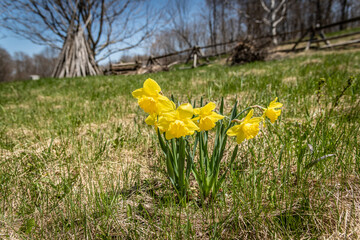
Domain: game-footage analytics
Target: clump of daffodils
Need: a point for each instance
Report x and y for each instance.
(174, 122)
(176, 125)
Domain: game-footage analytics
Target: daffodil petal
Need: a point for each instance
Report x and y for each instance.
(195, 119)
(240, 138)
(208, 108)
(255, 120)
(233, 131)
(151, 120)
(138, 93)
(169, 116)
(165, 105)
(191, 126)
(275, 105)
(163, 123)
(249, 115)
(151, 87)
(215, 116)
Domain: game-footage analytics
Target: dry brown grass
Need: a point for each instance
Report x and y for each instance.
(290, 81)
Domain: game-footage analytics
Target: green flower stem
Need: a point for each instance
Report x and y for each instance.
(175, 157)
(207, 170)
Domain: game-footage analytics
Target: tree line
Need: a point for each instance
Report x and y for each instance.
(221, 21)
(20, 66)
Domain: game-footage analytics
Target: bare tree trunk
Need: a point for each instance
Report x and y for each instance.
(328, 12)
(76, 58)
(274, 20)
(343, 13)
(223, 28)
(318, 14)
(214, 20)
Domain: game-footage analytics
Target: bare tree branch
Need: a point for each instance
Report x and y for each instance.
(264, 6)
(112, 23)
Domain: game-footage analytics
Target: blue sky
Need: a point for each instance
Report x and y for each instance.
(13, 43)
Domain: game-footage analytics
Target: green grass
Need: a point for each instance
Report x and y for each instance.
(345, 31)
(77, 160)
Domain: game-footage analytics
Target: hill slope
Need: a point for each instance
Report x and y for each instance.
(78, 161)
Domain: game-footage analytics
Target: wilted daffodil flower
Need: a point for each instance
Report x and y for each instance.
(272, 111)
(207, 117)
(247, 129)
(178, 123)
(150, 99)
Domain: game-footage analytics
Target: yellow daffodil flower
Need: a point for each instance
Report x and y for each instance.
(272, 111)
(207, 117)
(150, 99)
(178, 123)
(247, 129)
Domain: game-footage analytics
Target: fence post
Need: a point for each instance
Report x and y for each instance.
(322, 35)
(152, 61)
(312, 36)
(195, 59)
(189, 57)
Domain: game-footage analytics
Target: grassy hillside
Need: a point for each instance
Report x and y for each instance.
(77, 160)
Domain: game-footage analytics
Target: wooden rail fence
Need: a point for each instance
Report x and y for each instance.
(312, 35)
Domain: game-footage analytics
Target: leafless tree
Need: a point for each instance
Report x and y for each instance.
(344, 6)
(275, 14)
(178, 14)
(108, 26)
(165, 42)
(23, 66)
(44, 62)
(184, 28)
(6, 66)
(184, 24)
(222, 21)
(249, 14)
(213, 19)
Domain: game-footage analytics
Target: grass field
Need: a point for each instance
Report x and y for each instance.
(78, 162)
